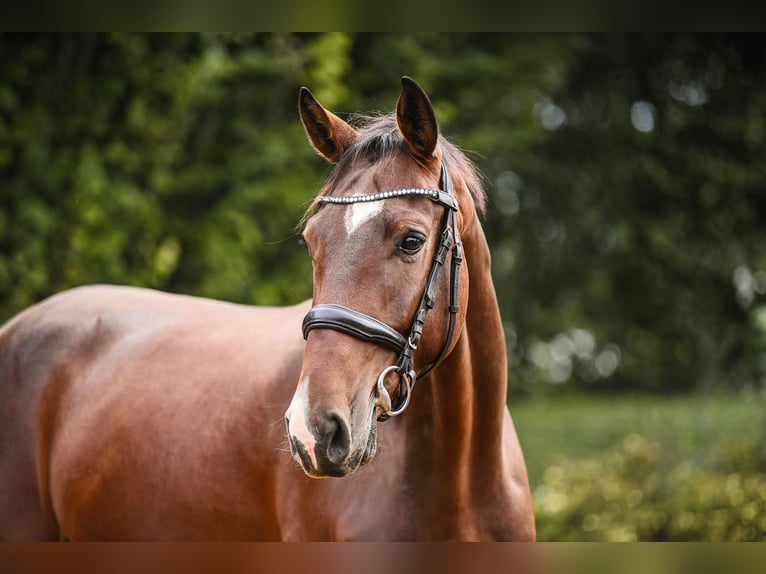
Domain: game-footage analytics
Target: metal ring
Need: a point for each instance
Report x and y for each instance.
(384, 398)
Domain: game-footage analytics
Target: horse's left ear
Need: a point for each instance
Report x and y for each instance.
(416, 119)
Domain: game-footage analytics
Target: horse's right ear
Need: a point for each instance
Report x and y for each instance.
(329, 134)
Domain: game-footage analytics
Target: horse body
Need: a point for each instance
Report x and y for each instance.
(133, 414)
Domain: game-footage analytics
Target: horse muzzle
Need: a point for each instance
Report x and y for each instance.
(329, 449)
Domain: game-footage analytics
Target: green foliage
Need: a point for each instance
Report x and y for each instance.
(626, 495)
(635, 236)
(171, 161)
(646, 469)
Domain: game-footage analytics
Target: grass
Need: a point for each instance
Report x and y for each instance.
(687, 428)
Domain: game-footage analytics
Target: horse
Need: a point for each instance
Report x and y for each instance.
(133, 414)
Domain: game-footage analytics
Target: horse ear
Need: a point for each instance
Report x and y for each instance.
(416, 119)
(329, 134)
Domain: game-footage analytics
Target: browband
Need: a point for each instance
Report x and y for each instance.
(436, 195)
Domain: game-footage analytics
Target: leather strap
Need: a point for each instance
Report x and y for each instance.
(354, 323)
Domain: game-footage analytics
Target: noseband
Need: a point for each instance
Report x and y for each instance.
(366, 328)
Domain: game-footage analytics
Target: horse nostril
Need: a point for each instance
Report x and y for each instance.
(338, 438)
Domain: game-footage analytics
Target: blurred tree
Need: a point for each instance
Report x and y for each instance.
(640, 216)
(626, 178)
(173, 161)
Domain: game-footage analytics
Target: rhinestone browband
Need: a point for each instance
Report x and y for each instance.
(432, 193)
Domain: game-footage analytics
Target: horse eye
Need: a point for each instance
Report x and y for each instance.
(412, 243)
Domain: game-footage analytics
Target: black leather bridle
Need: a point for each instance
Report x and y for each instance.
(366, 328)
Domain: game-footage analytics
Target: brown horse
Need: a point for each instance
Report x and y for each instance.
(132, 414)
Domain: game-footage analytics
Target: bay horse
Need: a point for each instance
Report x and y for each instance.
(132, 414)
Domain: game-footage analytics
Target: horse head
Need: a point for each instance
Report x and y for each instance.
(384, 239)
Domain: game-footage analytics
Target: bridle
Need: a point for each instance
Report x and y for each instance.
(366, 328)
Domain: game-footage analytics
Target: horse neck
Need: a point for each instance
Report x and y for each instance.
(466, 398)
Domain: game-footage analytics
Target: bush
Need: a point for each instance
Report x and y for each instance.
(631, 493)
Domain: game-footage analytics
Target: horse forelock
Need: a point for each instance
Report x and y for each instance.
(378, 138)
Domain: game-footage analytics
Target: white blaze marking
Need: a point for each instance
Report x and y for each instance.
(296, 413)
(358, 213)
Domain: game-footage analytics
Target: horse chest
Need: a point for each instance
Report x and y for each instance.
(380, 505)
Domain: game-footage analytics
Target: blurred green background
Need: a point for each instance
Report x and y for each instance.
(626, 177)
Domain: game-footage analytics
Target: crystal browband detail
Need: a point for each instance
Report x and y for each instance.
(432, 193)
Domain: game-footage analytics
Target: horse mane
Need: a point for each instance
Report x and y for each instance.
(378, 137)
